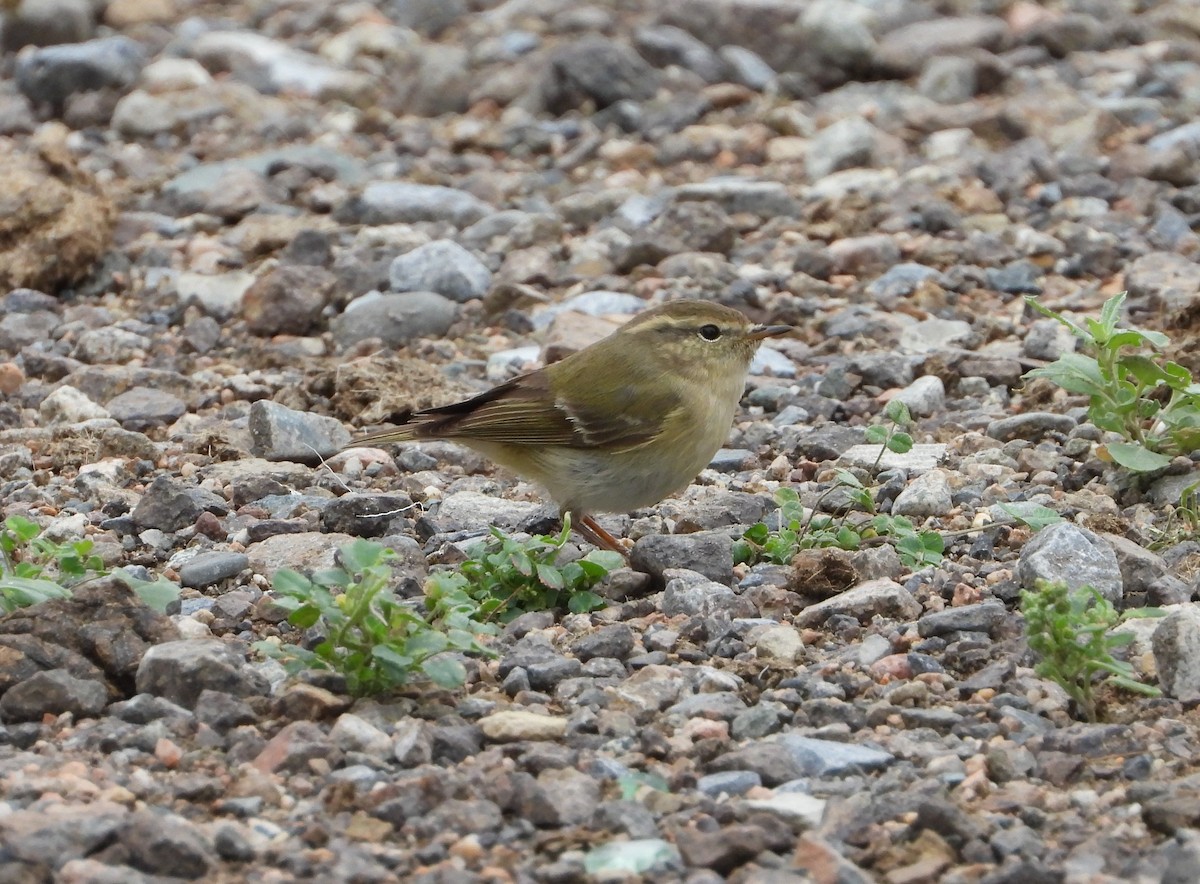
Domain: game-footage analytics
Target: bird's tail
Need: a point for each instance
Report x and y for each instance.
(405, 433)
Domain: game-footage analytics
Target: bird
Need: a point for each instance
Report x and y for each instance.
(616, 426)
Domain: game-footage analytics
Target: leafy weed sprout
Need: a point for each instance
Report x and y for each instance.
(1069, 630)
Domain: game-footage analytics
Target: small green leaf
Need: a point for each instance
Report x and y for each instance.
(900, 443)
(584, 601)
(1035, 516)
(445, 671)
(897, 412)
(550, 577)
(1136, 457)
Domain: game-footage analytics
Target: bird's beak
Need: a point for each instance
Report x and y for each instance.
(767, 331)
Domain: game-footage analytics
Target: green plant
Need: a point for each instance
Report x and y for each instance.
(1182, 522)
(1069, 631)
(799, 530)
(1152, 404)
(374, 639)
(507, 576)
(34, 569)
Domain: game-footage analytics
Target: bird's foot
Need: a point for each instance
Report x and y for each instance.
(597, 536)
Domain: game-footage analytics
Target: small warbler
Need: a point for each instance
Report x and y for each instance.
(618, 425)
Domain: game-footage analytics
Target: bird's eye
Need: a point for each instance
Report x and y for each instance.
(710, 332)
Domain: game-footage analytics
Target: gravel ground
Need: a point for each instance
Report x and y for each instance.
(234, 233)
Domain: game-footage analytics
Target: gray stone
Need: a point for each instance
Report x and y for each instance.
(875, 598)
(281, 433)
(53, 74)
(904, 279)
(571, 796)
(53, 692)
(162, 843)
(364, 515)
(394, 319)
(924, 397)
(1073, 555)
(985, 617)
(21, 328)
(273, 66)
(47, 23)
(288, 300)
(441, 266)
(732, 782)
(474, 511)
(949, 79)
(219, 295)
(1032, 425)
(1016, 278)
(747, 67)
(395, 202)
(166, 505)
(140, 408)
(1048, 339)
(350, 733)
(927, 495)
(773, 762)
(690, 593)
(1176, 644)
(933, 335)
(1162, 281)
(212, 567)
(67, 405)
(763, 198)
(708, 553)
(615, 640)
(846, 143)
(826, 758)
(181, 670)
(905, 50)
(598, 70)
(665, 45)
(1141, 568)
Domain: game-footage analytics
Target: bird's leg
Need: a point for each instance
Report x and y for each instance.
(597, 536)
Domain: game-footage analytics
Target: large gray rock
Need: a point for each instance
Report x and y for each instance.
(1067, 553)
(52, 75)
(1176, 644)
(441, 266)
(281, 433)
(394, 319)
(396, 202)
(181, 670)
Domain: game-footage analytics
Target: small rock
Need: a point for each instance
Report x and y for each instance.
(350, 733)
(1176, 644)
(927, 495)
(394, 202)
(166, 505)
(924, 397)
(513, 725)
(884, 598)
(394, 319)
(66, 405)
(140, 408)
(826, 758)
(181, 670)
(1032, 425)
(53, 692)
(209, 568)
(441, 266)
(985, 617)
(710, 554)
(53, 74)
(1073, 555)
(288, 300)
(281, 433)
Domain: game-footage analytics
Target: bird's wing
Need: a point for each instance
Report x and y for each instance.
(526, 411)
